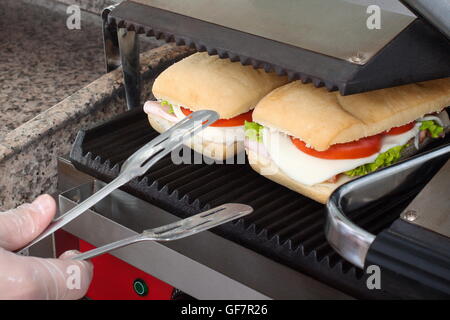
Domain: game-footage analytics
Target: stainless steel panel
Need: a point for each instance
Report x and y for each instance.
(43, 249)
(205, 266)
(69, 177)
(337, 28)
(431, 208)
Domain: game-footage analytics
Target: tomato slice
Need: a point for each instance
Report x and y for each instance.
(233, 122)
(399, 130)
(361, 148)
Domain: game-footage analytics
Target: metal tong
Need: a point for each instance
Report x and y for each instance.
(177, 230)
(138, 164)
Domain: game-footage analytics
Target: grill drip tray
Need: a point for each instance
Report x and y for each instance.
(285, 226)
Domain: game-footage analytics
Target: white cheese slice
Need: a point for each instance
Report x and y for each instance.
(226, 135)
(310, 170)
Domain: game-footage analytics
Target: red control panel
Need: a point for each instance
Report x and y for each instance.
(115, 279)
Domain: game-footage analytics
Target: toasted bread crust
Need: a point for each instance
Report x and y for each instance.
(321, 118)
(201, 82)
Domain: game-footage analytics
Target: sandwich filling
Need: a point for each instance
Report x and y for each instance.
(309, 167)
(226, 131)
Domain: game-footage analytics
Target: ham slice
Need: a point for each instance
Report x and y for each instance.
(154, 107)
(256, 147)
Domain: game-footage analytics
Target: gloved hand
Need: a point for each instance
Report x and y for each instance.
(24, 277)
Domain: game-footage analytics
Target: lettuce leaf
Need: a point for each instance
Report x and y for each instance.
(384, 159)
(434, 128)
(253, 131)
(393, 155)
(166, 103)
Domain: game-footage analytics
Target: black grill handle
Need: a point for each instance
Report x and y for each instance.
(436, 13)
(414, 262)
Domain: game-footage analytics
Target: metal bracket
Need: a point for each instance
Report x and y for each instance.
(129, 54)
(121, 47)
(431, 208)
(110, 41)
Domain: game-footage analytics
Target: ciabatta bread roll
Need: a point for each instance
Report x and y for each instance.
(201, 82)
(314, 140)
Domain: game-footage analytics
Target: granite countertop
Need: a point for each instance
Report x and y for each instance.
(29, 153)
(41, 61)
(53, 84)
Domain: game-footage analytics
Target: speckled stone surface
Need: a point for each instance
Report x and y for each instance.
(28, 154)
(41, 61)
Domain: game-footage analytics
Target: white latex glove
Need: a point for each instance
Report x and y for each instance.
(24, 277)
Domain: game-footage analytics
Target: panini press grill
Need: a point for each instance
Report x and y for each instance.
(396, 219)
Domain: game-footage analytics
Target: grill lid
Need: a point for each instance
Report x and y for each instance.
(301, 22)
(389, 62)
